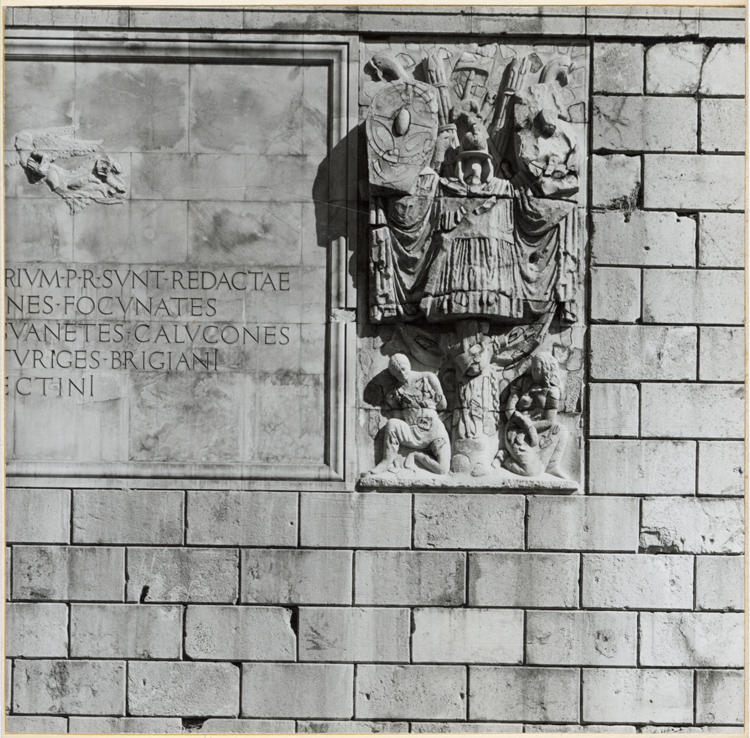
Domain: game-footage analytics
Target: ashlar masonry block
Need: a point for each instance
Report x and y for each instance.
(350, 726)
(321, 691)
(615, 294)
(723, 71)
(721, 241)
(417, 692)
(720, 582)
(719, 697)
(618, 67)
(524, 693)
(723, 125)
(637, 581)
(37, 515)
(691, 639)
(35, 629)
(721, 468)
(722, 354)
(613, 409)
(455, 635)
(617, 181)
(674, 68)
(94, 725)
(638, 695)
(466, 727)
(37, 724)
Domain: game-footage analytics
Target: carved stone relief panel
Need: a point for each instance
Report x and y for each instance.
(472, 362)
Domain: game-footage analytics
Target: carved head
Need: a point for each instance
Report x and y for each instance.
(109, 171)
(400, 367)
(545, 369)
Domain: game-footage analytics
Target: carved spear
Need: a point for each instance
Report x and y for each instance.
(499, 133)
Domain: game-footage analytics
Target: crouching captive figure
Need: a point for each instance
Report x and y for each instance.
(418, 426)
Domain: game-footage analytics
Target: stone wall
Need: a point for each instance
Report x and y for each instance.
(201, 609)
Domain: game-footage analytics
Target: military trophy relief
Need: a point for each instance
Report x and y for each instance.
(476, 255)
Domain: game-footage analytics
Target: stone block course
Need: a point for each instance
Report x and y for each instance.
(182, 575)
(183, 689)
(560, 638)
(721, 468)
(57, 687)
(524, 693)
(40, 724)
(128, 516)
(350, 726)
(723, 71)
(638, 695)
(417, 692)
(720, 582)
(241, 518)
(70, 573)
(674, 68)
(685, 182)
(719, 697)
(685, 525)
(615, 294)
(355, 520)
(692, 410)
(466, 727)
(723, 125)
(643, 238)
(354, 634)
(94, 725)
(453, 635)
(289, 577)
(691, 639)
(409, 578)
(237, 633)
(468, 521)
(623, 467)
(645, 124)
(721, 241)
(581, 523)
(613, 409)
(321, 691)
(35, 629)
(617, 181)
(637, 582)
(643, 352)
(692, 296)
(227, 725)
(722, 354)
(523, 580)
(618, 67)
(37, 515)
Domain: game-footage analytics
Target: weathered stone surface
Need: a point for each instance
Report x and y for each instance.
(8, 685)
(692, 296)
(232, 633)
(723, 71)
(686, 525)
(37, 515)
(450, 635)
(719, 582)
(127, 516)
(618, 67)
(684, 182)
(29, 724)
(721, 468)
(581, 638)
(225, 725)
(719, 697)
(637, 695)
(617, 181)
(690, 729)
(643, 239)
(523, 693)
(57, 687)
(523, 580)
(721, 240)
(241, 518)
(723, 125)
(674, 68)
(581, 523)
(643, 352)
(75, 17)
(93, 725)
(354, 520)
(36, 629)
(350, 726)
(297, 577)
(183, 689)
(417, 692)
(297, 690)
(642, 467)
(637, 581)
(182, 575)
(203, 19)
(71, 573)
(692, 410)
(645, 123)
(554, 728)
(615, 294)
(353, 634)
(466, 727)
(613, 410)
(468, 521)
(409, 578)
(691, 639)
(722, 354)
